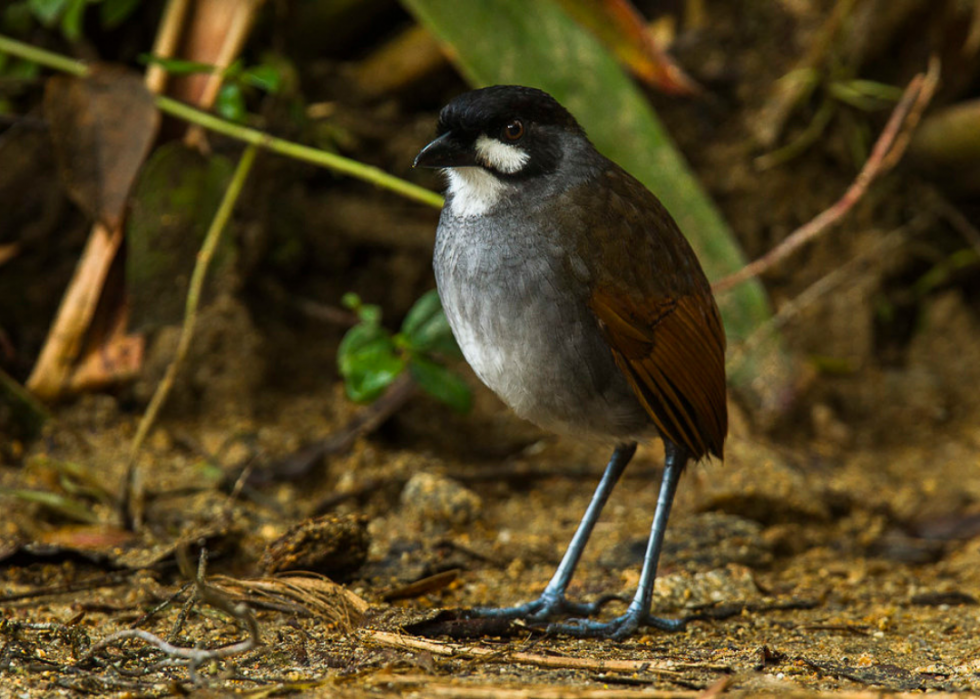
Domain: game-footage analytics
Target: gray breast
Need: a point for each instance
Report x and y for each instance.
(517, 306)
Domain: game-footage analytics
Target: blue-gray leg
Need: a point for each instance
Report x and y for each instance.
(638, 613)
(552, 603)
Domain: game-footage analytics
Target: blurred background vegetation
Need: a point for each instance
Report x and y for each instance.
(747, 124)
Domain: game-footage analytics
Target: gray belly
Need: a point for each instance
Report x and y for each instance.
(525, 329)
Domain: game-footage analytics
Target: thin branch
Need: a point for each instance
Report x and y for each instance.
(167, 38)
(839, 277)
(193, 658)
(42, 57)
(886, 152)
(204, 257)
(553, 661)
(331, 161)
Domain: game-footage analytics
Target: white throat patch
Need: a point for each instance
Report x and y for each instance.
(474, 191)
(500, 156)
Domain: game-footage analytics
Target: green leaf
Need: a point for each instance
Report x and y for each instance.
(369, 313)
(65, 506)
(264, 77)
(47, 12)
(427, 329)
(230, 104)
(367, 360)
(112, 13)
(71, 20)
(441, 383)
(360, 339)
(537, 44)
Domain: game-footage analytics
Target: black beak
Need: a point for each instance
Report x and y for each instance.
(445, 151)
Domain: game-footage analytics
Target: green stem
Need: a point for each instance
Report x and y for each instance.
(331, 161)
(43, 57)
(133, 506)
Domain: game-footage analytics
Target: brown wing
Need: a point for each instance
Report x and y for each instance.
(672, 352)
(655, 307)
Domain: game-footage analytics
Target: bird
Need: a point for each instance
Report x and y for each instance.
(575, 297)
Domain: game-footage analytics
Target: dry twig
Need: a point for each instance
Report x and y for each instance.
(887, 151)
(393, 640)
(193, 658)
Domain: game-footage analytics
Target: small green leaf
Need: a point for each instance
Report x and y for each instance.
(60, 504)
(367, 385)
(71, 20)
(441, 383)
(47, 11)
(264, 77)
(359, 339)
(367, 360)
(112, 13)
(427, 329)
(230, 104)
(423, 310)
(369, 313)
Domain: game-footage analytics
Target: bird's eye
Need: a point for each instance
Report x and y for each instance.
(514, 130)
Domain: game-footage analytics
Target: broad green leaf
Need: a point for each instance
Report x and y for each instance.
(173, 202)
(441, 383)
(421, 312)
(426, 328)
(368, 361)
(71, 21)
(537, 44)
(361, 338)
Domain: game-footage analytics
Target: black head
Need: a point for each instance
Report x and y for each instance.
(511, 131)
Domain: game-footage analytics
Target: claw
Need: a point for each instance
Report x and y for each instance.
(619, 628)
(547, 606)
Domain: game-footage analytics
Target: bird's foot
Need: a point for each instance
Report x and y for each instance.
(550, 605)
(617, 629)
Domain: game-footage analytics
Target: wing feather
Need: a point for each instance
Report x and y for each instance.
(673, 355)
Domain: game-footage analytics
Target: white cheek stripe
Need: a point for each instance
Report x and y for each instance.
(500, 156)
(474, 191)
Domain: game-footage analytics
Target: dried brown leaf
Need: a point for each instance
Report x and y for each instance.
(102, 127)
